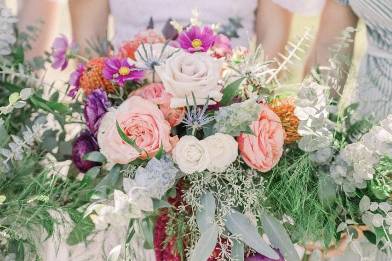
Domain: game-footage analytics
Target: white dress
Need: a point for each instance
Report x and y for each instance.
(132, 16)
(302, 7)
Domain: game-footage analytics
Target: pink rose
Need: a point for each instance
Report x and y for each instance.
(141, 121)
(156, 93)
(263, 150)
(222, 46)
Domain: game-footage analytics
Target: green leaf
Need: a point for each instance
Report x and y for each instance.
(239, 224)
(206, 244)
(279, 237)
(237, 251)
(95, 156)
(108, 183)
(158, 204)
(14, 97)
(327, 189)
(91, 175)
(148, 231)
(160, 152)
(231, 91)
(125, 138)
(49, 106)
(83, 228)
(4, 137)
(206, 214)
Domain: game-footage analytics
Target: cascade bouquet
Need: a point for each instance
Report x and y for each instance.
(198, 154)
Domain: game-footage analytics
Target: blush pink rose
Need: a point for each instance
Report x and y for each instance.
(263, 150)
(156, 93)
(141, 121)
(222, 46)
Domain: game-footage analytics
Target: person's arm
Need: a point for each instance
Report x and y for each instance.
(273, 24)
(89, 20)
(334, 20)
(41, 13)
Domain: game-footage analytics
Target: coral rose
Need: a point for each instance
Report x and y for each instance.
(141, 121)
(263, 149)
(156, 93)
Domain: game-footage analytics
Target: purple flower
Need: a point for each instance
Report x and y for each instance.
(96, 106)
(121, 71)
(259, 257)
(84, 144)
(74, 80)
(197, 39)
(60, 48)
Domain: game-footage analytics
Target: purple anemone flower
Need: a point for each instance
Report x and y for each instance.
(196, 39)
(60, 48)
(84, 144)
(121, 71)
(74, 80)
(96, 106)
(259, 257)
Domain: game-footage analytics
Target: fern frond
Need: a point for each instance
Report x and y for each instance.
(294, 49)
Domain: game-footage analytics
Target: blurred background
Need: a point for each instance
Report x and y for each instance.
(300, 23)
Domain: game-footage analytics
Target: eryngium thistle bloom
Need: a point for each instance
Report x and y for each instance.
(284, 108)
(7, 33)
(259, 257)
(237, 117)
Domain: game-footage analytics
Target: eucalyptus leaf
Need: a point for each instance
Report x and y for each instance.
(13, 98)
(108, 183)
(237, 251)
(95, 156)
(206, 214)
(239, 224)
(158, 204)
(279, 237)
(148, 232)
(26, 93)
(206, 244)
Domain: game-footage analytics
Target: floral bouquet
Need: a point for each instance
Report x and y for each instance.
(198, 154)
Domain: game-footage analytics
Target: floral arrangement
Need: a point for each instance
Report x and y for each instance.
(34, 195)
(198, 154)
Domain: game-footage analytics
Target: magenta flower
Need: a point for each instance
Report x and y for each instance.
(74, 80)
(196, 39)
(60, 49)
(121, 71)
(96, 106)
(84, 144)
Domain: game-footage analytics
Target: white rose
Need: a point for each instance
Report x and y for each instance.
(185, 74)
(223, 150)
(191, 155)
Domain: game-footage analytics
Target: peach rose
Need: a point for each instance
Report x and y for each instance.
(141, 121)
(263, 150)
(156, 93)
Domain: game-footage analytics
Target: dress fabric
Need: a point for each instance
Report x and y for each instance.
(132, 17)
(302, 7)
(374, 90)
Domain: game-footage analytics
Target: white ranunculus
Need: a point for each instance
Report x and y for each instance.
(191, 155)
(185, 74)
(223, 150)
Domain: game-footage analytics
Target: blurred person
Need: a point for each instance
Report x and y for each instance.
(269, 20)
(42, 14)
(374, 81)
